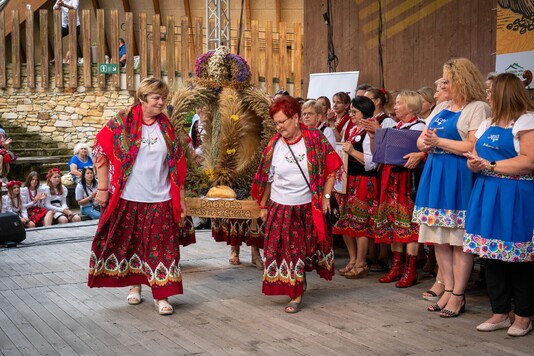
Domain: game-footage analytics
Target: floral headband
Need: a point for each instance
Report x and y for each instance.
(12, 183)
(51, 172)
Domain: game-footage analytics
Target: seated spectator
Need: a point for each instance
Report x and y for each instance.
(80, 160)
(6, 156)
(12, 203)
(86, 192)
(56, 198)
(33, 198)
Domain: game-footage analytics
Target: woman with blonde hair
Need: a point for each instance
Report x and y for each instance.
(446, 182)
(428, 102)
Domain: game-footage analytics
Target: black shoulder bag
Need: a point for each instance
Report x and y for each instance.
(331, 217)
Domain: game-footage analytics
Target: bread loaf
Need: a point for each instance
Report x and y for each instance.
(221, 191)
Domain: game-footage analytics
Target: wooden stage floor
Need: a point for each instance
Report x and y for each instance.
(46, 308)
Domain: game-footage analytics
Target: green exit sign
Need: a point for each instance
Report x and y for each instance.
(108, 68)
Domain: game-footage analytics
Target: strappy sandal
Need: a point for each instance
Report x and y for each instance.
(257, 261)
(293, 307)
(234, 256)
(446, 313)
(163, 307)
(134, 295)
(347, 268)
(358, 272)
(436, 307)
(432, 296)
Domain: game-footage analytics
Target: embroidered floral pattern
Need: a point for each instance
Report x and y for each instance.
(498, 249)
(454, 219)
(506, 176)
(300, 158)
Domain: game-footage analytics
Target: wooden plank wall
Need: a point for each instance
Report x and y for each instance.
(418, 37)
(164, 47)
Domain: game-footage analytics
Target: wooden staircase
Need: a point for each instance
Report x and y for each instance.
(10, 5)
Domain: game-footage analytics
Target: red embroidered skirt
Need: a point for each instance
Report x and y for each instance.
(139, 244)
(291, 248)
(395, 209)
(358, 207)
(36, 214)
(236, 231)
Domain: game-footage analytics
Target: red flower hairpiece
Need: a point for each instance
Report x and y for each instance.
(52, 171)
(12, 183)
(383, 90)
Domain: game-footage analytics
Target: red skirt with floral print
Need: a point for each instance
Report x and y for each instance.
(395, 208)
(36, 214)
(236, 231)
(291, 248)
(358, 207)
(139, 244)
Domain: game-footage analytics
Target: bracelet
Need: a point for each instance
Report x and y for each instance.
(102, 189)
(263, 206)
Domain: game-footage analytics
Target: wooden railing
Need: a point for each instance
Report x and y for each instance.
(270, 54)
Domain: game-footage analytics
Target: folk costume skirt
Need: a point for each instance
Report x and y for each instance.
(235, 232)
(139, 244)
(395, 209)
(36, 214)
(291, 249)
(358, 207)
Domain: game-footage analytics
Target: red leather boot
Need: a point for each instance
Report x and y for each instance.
(397, 268)
(409, 278)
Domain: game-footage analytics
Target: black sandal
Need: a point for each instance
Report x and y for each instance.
(445, 313)
(436, 307)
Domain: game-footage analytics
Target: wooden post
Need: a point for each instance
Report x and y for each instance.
(156, 46)
(2, 50)
(282, 67)
(30, 52)
(143, 70)
(171, 60)
(73, 48)
(199, 43)
(254, 55)
(184, 70)
(297, 81)
(43, 30)
(86, 47)
(101, 43)
(58, 49)
(269, 57)
(114, 26)
(15, 48)
(130, 48)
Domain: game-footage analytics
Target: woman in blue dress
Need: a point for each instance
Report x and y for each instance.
(446, 182)
(499, 221)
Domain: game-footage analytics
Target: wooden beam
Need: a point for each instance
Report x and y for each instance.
(157, 9)
(73, 49)
(143, 69)
(58, 49)
(96, 7)
(171, 60)
(3, 80)
(43, 29)
(129, 54)
(248, 16)
(133, 44)
(156, 46)
(30, 54)
(15, 48)
(114, 26)
(282, 48)
(269, 57)
(190, 22)
(100, 42)
(86, 47)
(278, 13)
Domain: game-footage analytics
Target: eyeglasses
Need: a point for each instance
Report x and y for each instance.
(281, 123)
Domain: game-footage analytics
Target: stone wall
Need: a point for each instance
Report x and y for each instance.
(65, 115)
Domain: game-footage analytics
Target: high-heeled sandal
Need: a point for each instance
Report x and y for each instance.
(347, 268)
(432, 296)
(358, 272)
(446, 313)
(436, 307)
(257, 261)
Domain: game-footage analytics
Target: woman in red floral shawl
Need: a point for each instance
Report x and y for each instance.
(293, 186)
(137, 240)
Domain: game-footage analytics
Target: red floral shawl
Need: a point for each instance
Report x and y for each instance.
(119, 141)
(322, 160)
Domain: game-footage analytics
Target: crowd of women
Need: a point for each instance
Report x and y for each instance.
(45, 204)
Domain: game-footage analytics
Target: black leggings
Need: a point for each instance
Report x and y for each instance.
(65, 31)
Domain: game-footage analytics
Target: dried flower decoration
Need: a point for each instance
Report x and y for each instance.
(234, 118)
(221, 68)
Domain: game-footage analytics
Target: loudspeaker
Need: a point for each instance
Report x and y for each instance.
(12, 231)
